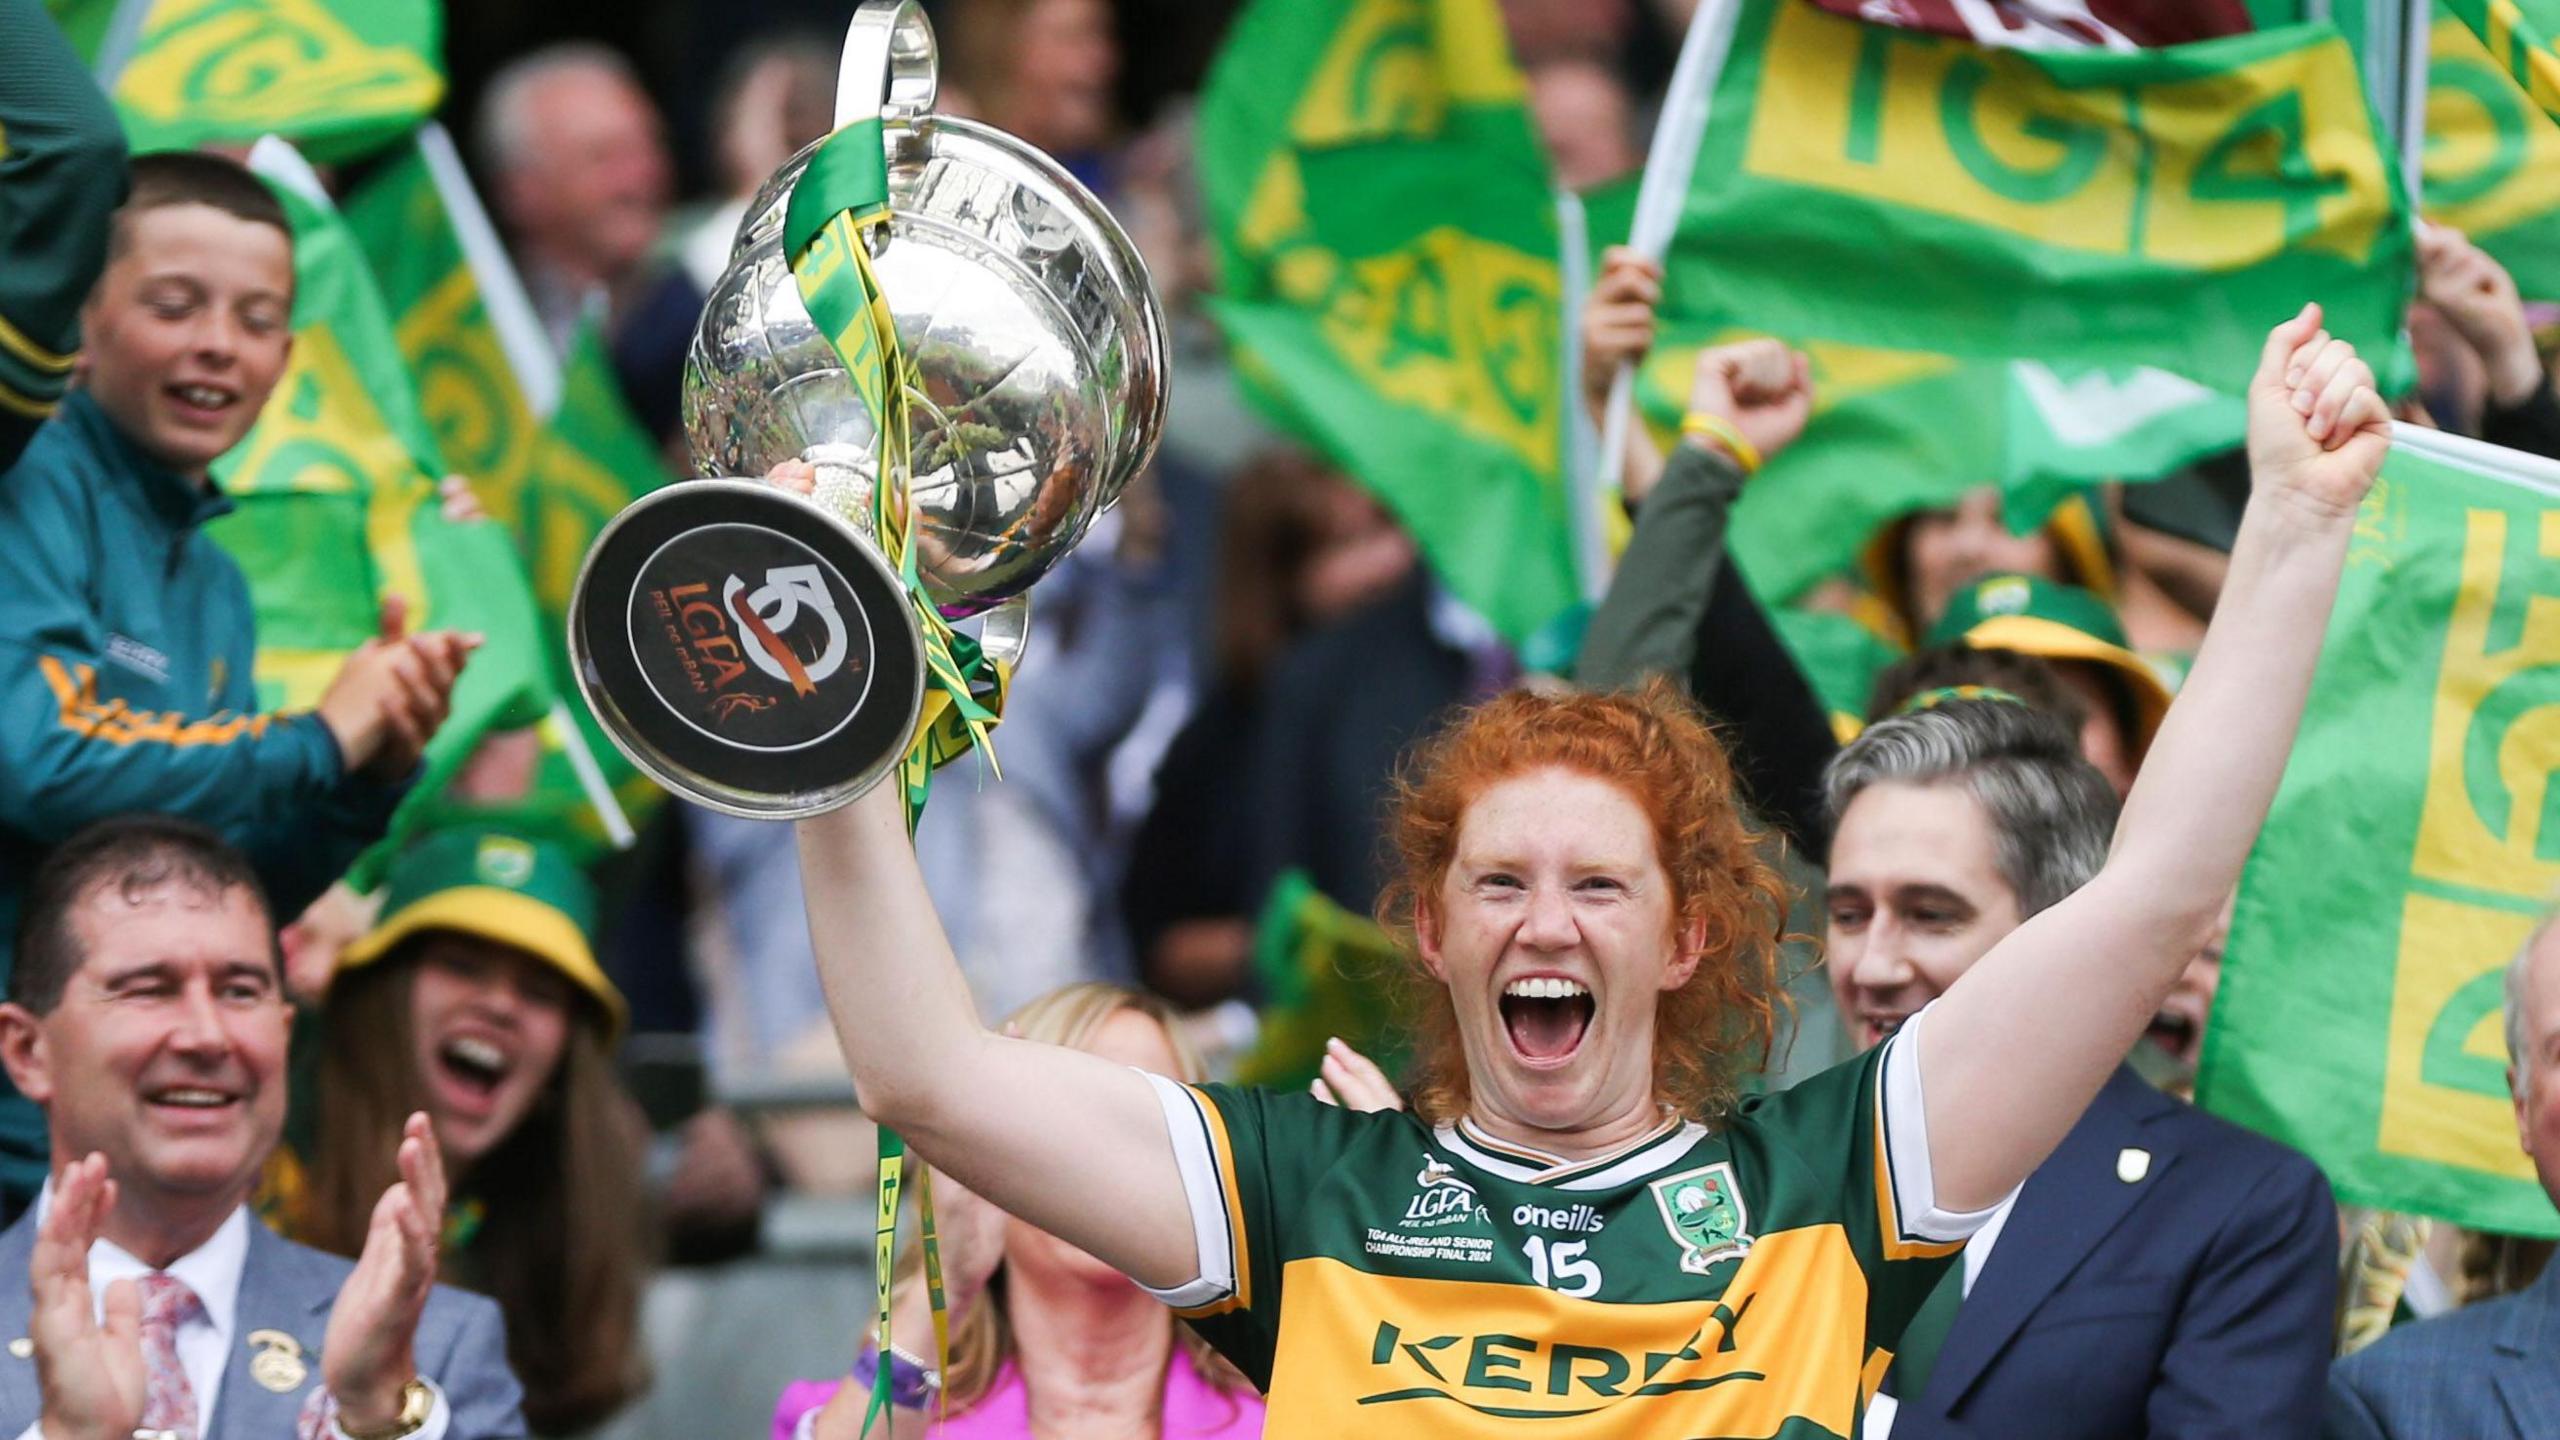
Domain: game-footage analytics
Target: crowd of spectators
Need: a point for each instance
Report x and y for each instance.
(424, 1187)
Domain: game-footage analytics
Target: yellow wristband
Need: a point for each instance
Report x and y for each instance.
(1724, 432)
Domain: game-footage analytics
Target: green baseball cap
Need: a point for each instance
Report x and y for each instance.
(2055, 622)
(524, 893)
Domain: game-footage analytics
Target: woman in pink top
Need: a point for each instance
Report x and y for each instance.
(1045, 1339)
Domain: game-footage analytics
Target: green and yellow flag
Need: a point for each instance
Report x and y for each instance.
(553, 455)
(2031, 268)
(2492, 167)
(2519, 36)
(2359, 1016)
(338, 508)
(1326, 972)
(467, 386)
(1387, 257)
(339, 78)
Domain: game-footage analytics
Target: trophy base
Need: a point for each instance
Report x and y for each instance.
(747, 650)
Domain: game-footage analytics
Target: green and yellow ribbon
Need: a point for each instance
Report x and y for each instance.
(840, 200)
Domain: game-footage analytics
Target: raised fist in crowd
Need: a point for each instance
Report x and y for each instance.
(2317, 426)
(2478, 298)
(1763, 388)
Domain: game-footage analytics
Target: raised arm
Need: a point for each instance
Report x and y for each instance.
(2014, 1051)
(1068, 1141)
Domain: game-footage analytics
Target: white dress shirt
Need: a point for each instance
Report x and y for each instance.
(205, 1338)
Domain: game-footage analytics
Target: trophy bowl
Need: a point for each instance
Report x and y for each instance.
(1035, 347)
(753, 649)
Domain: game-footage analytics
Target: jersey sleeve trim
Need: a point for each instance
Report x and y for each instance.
(1908, 1218)
(22, 403)
(1206, 1160)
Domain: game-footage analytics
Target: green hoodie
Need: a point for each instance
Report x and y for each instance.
(126, 646)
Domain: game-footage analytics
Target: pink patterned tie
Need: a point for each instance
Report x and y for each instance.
(169, 1404)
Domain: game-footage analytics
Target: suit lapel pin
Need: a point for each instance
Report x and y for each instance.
(278, 1365)
(22, 1348)
(2132, 1164)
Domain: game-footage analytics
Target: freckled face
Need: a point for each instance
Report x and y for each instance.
(1554, 935)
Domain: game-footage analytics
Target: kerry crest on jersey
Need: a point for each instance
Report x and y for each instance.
(1704, 1209)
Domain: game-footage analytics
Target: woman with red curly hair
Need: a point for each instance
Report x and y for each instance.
(1581, 1230)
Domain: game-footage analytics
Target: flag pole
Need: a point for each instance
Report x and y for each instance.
(2413, 96)
(1584, 487)
(561, 728)
(502, 293)
(122, 39)
(1668, 166)
(2479, 457)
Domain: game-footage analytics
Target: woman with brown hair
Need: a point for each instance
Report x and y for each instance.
(1041, 1331)
(478, 1000)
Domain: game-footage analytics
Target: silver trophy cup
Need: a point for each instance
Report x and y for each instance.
(751, 649)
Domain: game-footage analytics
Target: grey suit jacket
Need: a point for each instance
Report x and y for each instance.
(2485, 1372)
(461, 1344)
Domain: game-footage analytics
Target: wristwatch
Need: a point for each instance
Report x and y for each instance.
(417, 1402)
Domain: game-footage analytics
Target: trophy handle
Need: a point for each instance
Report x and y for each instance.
(1006, 631)
(890, 64)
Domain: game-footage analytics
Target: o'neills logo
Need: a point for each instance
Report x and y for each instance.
(750, 637)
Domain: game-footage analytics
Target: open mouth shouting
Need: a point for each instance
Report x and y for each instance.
(1546, 1017)
(2176, 1031)
(471, 1072)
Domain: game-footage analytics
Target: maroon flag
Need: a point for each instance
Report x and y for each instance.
(2056, 24)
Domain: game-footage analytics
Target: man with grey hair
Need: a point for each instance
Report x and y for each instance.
(576, 159)
(2483, 1372)
(2164, 1272)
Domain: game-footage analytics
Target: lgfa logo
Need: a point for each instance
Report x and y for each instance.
(768, 615)
(1440, 1197)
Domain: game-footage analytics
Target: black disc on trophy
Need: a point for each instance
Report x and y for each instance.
(746, 648)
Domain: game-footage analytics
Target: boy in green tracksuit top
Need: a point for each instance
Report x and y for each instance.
(126, 637)
(61, 172)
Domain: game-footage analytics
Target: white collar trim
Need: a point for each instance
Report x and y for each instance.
(1652, 1151)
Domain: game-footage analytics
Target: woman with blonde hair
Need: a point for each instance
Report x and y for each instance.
(1045, 1339)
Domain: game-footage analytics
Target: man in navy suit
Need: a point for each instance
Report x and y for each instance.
(147, 1017)
(2164, 1272)
(2484, 1372)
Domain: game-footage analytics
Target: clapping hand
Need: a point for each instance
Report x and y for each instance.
(368, 1356)
(1353, 1081)
(393, 694)
(89, 1370)
(2317, 426)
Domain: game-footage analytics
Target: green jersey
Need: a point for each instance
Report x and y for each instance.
(1379, 1277)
